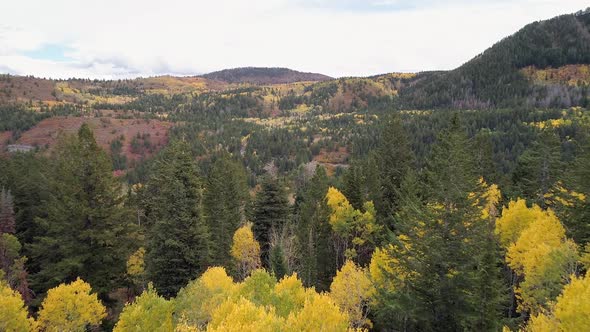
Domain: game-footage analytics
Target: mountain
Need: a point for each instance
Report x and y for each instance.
(507, 74)
(263, 76)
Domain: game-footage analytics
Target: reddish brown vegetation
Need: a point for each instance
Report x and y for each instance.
(106, 130)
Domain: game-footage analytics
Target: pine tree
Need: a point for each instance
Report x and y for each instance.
(224, 200)
(270, 214)
(87, 232)
(178, 239)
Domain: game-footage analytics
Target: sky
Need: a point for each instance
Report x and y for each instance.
(111, 39)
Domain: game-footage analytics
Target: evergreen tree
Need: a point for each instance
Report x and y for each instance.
(87, 230)
(7, 218)
(29, 193)
(539, 168)
(484, 154)
(353, 185)
(278, 265)
(444, 248)
(270, 214)
(178, 239)
(224, 200)
(314, 235)
(394, 158)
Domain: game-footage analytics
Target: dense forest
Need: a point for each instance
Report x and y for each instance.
(442, 201)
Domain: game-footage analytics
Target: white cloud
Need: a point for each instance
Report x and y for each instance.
(115, 38)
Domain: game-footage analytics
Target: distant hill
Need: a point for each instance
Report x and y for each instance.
(261, 75)
(506, 74)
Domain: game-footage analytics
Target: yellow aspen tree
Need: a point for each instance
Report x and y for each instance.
(290, 295)
(243, 315)
(545, 258)
(356, 230)
(515, 218)
(71, 307)
(136, 265)
(196, 302)
(570, 312)
(319, 313)
(149, 312)
(13, 313)
(245, 250)
(351, 290)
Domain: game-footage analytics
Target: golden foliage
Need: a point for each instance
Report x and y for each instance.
(570, 312)
(149, 312)
(245, 250)
(516, 218)
(351, 290)
(538, 250)
(197, 301)
(243, 315)
(356, 227)
(135, 266)
(70, 307)
(13, 313)
(319, 313)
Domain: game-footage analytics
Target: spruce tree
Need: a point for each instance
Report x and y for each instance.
(87, 231)
(394, 159)
(539, 168)
(270, 214)
(224, 200)
(353, 185)
(449, 258)
(178, 239)
(7, 218)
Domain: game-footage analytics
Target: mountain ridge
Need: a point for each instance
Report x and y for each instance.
(264, 75)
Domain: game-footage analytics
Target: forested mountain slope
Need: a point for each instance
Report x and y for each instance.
(257, 75)
(497, 77)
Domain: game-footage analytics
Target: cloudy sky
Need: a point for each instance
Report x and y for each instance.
(130, 38)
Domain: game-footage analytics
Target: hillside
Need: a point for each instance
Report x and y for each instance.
(497, 77)
(264, 76)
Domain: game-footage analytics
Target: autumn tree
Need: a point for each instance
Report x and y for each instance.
(351, 290)
(319, 313)
(71, 307)
(136, 269)
(149, 312)
(569, 313)
(195, 303)
(355, 230)
(87, 231)
(12, 264)
(537, 250)
(245, 251)
(178, 238)
(243, 315)
(13, 313)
